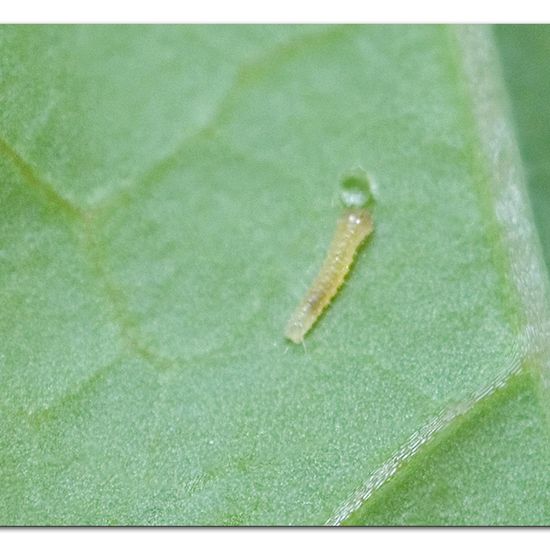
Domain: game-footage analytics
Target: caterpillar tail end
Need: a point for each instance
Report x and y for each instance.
(295, 332)
(294, 337)
(299, 324)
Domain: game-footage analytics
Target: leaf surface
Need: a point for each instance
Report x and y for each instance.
(168, 194)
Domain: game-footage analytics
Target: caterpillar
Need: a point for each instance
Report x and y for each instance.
(353, 226)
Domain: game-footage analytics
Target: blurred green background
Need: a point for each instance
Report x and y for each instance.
(525, 51)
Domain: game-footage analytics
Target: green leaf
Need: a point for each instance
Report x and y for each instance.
(489, 468)
(493, 469)
(167, 196)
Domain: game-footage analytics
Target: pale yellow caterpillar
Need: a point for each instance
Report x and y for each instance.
(352, 228)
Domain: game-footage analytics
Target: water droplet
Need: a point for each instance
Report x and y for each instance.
(356, 189)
